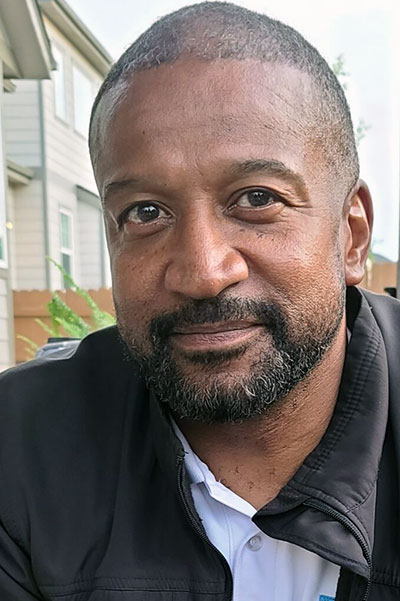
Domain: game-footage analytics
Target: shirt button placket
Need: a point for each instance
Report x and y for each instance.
(255, 543)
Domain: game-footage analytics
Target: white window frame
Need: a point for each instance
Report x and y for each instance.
(63, 249)
(64, 117)
(85, 73)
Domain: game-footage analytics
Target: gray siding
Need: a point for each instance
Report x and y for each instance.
(67, 165)
(21, 124)
(67, 152)
(90, 245)
(25, 203)
(6, 315)
(61, 195)
(29, 252)
(60, 157)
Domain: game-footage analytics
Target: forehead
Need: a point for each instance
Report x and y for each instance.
(191, 111)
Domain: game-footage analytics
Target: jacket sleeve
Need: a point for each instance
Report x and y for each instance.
(16, 579)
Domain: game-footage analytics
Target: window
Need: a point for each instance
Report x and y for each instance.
(66, 243)
(83, 100)
(59, 84)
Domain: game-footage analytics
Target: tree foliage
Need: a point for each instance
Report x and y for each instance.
(338, 67)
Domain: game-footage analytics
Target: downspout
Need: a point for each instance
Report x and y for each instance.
(45, 197)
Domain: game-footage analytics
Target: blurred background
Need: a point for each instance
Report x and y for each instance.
(54, 55)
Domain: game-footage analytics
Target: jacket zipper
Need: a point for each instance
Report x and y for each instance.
(199, 530)
(342, 519)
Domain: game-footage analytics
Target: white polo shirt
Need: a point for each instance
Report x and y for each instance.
(263, 568)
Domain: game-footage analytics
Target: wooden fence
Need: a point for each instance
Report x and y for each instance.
(380, 276)
(32, 304)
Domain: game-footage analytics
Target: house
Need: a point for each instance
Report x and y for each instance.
(53, 207)
(48, 204)
(24, 54)
(50, 207)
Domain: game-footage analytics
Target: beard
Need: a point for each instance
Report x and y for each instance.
(211, 389)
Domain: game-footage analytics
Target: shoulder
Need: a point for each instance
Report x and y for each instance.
(386, 311)
(94, 359)
(380, 300)
(46, 397)
(62, 424)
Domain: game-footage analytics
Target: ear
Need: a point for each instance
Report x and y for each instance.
(358, 216)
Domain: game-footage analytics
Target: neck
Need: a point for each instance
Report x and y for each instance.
(255, 459)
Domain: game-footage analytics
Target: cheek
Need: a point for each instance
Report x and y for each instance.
(297, 263)
(136, 279)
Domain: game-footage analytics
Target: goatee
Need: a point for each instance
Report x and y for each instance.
(288, 356)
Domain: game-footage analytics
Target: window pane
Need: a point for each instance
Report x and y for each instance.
(65, 231)
(83, 100)
(66, 263)
(59, 84)
(2, 257)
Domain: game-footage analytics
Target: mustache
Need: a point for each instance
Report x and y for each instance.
(217, 310)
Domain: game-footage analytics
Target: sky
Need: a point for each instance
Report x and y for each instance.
(365, 32)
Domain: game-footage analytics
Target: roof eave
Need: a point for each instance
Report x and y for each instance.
(64, 18)
(28, 43)
(18, 174)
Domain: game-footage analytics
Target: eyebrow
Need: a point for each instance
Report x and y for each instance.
(272, 168)
(113, 187)
(269, 167)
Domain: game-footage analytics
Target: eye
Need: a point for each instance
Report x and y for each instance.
(256, 198)
(142, 213)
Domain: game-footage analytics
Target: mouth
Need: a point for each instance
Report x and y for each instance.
(215, 336)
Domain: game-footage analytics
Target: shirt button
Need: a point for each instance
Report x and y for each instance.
(255, 543)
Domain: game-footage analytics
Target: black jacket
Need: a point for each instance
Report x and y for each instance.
(95, 504)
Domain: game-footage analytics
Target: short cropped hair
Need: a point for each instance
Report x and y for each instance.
(212, 31)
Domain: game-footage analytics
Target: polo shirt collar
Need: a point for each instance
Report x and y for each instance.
(195, 473)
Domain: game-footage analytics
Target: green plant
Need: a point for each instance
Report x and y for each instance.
(31, 347)
(64, 317)
(361, 130)
(342, 75)
(64, 320)
(338, 69)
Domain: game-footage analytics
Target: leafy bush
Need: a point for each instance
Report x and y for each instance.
(64, 320)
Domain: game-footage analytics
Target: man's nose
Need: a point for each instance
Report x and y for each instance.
(204, 263)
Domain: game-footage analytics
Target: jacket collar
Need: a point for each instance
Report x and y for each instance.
(342, 470)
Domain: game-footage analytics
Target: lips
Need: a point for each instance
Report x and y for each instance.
(211, 328)
(214, 336)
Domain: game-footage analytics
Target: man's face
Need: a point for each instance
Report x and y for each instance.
(225, 249)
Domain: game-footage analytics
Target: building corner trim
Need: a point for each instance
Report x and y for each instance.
(45, 198)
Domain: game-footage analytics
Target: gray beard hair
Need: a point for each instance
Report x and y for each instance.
(270, 379)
